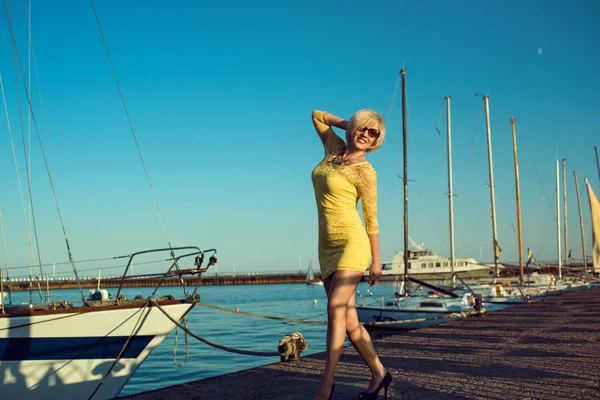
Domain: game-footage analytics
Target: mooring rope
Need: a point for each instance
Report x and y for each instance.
(463, 314)
(215, 345)
(269, 354)
(187, 346)
(248, 314)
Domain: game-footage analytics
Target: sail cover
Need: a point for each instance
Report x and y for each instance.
(595, 214)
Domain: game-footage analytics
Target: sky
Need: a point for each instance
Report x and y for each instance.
(220, 96)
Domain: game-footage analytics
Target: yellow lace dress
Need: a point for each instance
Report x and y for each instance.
(343, 240)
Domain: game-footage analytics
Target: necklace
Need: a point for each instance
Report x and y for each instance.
(345, 160)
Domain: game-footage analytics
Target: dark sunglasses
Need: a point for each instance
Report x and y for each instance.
(372, 132)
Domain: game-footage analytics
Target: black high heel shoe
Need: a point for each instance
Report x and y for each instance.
(385, 383)
(331, 393)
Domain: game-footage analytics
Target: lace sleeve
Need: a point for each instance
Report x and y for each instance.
(367, 191)
(331, 141)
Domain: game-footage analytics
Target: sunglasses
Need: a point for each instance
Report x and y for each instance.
(372, 132)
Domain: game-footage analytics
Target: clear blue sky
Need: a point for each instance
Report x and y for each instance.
(220, 97)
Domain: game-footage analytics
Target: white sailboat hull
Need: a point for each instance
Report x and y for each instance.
(415, 312)
(66, 355)
(388, 315)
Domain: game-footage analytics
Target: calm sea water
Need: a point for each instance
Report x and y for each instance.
(282, 300)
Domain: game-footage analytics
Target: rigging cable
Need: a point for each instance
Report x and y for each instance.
(18, 60)
(27, 220)
(5, 260)
(114, 73)
(12, 144)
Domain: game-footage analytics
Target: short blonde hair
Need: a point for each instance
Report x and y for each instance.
(362, 119)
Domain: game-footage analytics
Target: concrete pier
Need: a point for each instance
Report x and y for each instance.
(547, 349)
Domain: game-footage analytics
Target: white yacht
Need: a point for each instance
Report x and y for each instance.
(425, 263)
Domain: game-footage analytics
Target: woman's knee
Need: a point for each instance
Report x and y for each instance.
(336, 308)
(352, 323)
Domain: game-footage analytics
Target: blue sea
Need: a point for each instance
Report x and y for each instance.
(257, 334)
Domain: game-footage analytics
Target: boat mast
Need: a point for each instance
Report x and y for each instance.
(486, 100)
(450, 200)
(581, 223)
(405, 181)
(558, 218)
(5, 262)
(518, 191)
(565, 215)
(597, 163)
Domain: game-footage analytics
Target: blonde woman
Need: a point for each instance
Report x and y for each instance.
(346, 247)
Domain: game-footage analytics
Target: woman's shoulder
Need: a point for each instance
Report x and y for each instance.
(365, 167)
(364, 171)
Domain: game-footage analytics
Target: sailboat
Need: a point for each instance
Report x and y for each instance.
(595, 214)
(90, 347)
(406, 311)
(310, 276)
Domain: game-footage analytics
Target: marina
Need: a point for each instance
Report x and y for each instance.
(137, 134)
(547, 349)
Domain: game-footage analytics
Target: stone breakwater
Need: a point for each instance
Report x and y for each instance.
(238, 279)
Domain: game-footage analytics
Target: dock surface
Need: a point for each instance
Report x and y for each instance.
(547, 349)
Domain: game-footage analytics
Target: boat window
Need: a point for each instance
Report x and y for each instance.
(423, 265)
(445, 264)
(430, 265)
(387, 267)
(460, 263)
(430, 304)
(437, 265)
(409, 265)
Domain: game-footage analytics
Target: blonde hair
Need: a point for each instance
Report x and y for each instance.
(365, 119)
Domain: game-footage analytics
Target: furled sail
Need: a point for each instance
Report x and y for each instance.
(595, 213)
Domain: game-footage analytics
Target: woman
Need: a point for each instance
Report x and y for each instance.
(345, 247)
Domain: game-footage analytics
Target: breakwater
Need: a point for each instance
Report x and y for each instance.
(141, 281)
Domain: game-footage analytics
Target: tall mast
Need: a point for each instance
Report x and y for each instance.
(5, 261)
(597, 163)
(486, 100)
(405, 181)
(558, 243)
(581, 223)
(450, 200)
(565, 215)
(518, 191)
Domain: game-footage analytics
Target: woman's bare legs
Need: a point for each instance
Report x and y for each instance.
(341, 319)
(361, 340)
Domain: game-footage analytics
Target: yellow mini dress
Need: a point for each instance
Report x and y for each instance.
(343, 240)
